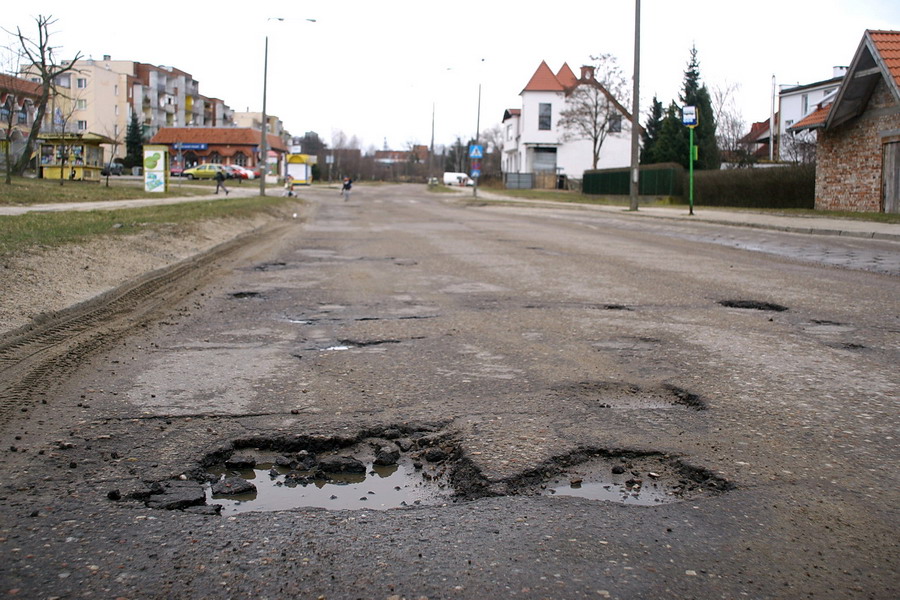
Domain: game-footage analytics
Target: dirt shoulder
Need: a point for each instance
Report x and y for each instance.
(45, 280)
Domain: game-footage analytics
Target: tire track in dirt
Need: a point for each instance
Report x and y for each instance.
(35, 357)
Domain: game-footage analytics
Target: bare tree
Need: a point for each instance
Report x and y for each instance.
(117, 137)
(493, 145)
(730, 126)
(799, 147)
(594, 106)
(39, 56)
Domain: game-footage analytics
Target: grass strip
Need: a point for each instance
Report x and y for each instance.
(47, 229)
(27, 191)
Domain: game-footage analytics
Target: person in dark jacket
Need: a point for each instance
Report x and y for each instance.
(220, 181)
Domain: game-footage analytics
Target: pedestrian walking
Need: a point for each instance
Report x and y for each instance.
(220, 181)
(345, 189)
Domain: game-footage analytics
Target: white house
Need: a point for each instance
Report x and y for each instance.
(536, 143)
(796, 102)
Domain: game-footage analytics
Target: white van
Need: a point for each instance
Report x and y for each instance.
(460, 179)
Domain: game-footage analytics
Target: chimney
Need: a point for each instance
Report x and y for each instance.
(587, 72)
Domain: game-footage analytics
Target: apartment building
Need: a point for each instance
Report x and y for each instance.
(99, 96)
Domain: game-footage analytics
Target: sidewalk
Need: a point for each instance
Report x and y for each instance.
(740, 218)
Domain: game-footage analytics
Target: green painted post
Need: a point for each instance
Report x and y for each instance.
(691, 170)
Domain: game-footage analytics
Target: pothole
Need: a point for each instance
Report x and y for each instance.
(244, 295)
(282, 482)
(753, 305)
(389, 468)
(643, 479)
(627, 396)
(400, 468)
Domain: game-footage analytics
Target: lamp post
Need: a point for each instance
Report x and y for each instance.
(263, 139)
(634, 186)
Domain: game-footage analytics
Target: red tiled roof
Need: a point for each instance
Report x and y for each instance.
(544, 80)
(220, 136)
(17, 85)
(759, 133)
(888, 45)
(566, 77)
(814, 120)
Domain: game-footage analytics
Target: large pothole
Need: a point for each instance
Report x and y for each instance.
(408, 467)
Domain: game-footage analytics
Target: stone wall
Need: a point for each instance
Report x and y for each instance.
(849, 157)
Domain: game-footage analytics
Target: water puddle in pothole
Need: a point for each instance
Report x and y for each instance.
(635, 491)
(261, 481)
(277, 488)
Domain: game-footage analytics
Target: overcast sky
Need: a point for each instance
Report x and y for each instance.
(378, 70)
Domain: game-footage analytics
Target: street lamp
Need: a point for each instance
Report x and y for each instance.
(263, 140)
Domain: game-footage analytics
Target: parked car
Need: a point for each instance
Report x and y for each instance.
(112, 169)
(231, 172)
(244, 172)
(176, 171)
(207, 171)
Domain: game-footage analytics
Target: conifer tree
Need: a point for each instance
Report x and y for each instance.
(696, 94)
(134, 143)
(650, 135)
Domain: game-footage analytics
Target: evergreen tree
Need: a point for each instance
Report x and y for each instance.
(651, 132)
(696, 94)
(134, 143)
(672, 142)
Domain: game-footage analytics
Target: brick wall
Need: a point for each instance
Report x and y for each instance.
(848, 158)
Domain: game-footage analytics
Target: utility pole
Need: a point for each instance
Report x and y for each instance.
(634, 188)
(263, 142)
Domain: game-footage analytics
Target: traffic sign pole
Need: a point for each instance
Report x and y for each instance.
(689, 118)
(691, 185)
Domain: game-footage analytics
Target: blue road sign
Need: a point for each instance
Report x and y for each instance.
(476, 173)
(476, 151)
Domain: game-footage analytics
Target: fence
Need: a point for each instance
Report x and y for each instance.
(791, 186)
(665, 179)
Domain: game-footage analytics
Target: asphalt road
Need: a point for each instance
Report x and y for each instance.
(748, 376)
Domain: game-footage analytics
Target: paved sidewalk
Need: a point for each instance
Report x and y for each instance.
(741, 218)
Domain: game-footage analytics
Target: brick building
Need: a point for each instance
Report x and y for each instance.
(858, 150)
(222, 145)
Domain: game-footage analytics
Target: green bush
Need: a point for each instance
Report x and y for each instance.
(775, 187)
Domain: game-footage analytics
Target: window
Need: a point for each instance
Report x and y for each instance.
(544, 112)
(81, 82)
(81, 104)
(64, 81)
(116, 90)
(23, 116)
(804, 103)
(615, 123)
(82, 125)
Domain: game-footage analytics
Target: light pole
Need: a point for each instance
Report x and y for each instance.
(477, 130)
(634, 186)
(263, 139)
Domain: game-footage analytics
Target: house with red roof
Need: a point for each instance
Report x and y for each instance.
(858, 148)
(221, 145)
(538, 144)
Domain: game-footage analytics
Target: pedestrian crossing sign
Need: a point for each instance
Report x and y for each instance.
(476, 151)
